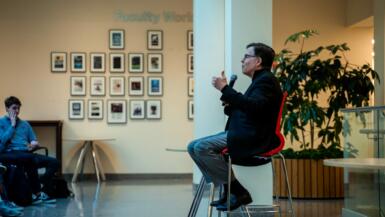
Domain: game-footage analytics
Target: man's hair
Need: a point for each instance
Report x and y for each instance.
(265, 52)
(9, 101)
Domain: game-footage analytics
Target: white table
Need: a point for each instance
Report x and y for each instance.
(89, 144)
(363, 164)
(357, 163)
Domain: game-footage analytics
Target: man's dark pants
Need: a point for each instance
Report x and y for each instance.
(31, 163)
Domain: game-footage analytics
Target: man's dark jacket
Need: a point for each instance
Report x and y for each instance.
(252, 117)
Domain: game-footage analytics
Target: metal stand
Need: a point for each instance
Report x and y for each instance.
(89, 145)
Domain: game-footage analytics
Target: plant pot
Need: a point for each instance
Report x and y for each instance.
(309, 179)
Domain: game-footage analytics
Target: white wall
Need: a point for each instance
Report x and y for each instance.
(30, 30)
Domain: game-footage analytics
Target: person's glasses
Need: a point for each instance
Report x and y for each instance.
(248, 56)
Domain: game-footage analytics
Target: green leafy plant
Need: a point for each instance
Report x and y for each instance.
(305, 76)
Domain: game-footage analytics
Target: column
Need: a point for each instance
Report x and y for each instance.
(208, 61)
(379, 26)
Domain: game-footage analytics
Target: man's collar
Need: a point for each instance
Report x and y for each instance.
(257, 73)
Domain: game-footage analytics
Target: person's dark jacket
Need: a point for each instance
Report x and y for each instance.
(252, 117)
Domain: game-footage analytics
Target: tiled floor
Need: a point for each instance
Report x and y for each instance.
(151, 198)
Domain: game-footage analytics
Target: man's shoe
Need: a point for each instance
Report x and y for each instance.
(13, 206)
(236, 202)
(221, 200)
(36, 199)
(45, 198)
(6, 211)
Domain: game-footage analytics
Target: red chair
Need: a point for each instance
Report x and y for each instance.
(268, 155)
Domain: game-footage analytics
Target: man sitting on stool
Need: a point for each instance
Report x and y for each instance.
(250, 129)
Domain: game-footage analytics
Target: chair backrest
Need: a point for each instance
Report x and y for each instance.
(278, 130)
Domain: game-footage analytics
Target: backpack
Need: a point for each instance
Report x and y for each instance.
(17, 186)
(59, 188)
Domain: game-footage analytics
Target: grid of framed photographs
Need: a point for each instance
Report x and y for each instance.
(141, 90)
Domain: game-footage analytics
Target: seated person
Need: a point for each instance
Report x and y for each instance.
(7, 208)
(250, 129)
(17, 140)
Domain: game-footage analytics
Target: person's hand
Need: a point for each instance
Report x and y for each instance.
(219, 82)
(13, 117)
(33, 145)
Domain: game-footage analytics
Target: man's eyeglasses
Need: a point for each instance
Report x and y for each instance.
(248, 56)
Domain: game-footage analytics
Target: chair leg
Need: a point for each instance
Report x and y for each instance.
(211, 198)
(287, 184)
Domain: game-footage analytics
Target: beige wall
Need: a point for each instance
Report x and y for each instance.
(30, 30)
(328, 17)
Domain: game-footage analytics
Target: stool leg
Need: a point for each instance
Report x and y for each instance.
(197, 198)
(287, 184)
(211, 198)
(275, 189)
(220, 194)
(229, 187)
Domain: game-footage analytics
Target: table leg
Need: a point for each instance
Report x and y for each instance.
(95, 163)
(101, 171)
(80, 161)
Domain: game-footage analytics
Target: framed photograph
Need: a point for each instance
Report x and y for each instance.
(154, 40)
(155, 63)
(190, 63)
(116, 111)
(155, 86)
(135, 86)
(190, 85)
(58, 62)
(95, 109)
(137, 109)
(78, 62)
(117, 86)
(153, 109)
(116, 62)
(78, 86)
(135, 62)
(98, 85)
(190, 109)
(190, 40)
(116, 39)
(76, 109)
(98, 62)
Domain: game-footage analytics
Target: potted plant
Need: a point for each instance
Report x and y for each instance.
(306, 76)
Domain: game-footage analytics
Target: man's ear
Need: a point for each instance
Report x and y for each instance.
(258, 61)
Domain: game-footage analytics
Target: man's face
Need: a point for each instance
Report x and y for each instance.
(14, 108)
(250, 62)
